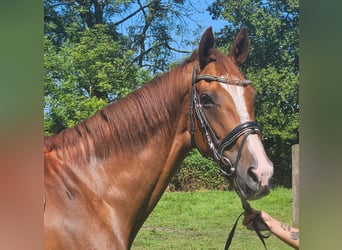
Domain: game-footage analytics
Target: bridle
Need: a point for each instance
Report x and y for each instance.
(217, 146)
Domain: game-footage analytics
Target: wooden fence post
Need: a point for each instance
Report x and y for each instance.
(295, 185)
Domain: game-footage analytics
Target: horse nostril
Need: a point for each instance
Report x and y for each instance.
(253, 176)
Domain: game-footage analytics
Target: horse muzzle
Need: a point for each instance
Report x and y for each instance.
(253, 184)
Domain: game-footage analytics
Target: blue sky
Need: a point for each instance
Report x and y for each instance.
(204, 19)
(200, 17)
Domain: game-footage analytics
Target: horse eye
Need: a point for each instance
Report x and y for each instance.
(206, 100)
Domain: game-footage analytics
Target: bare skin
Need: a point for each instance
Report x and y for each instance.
(288, 234)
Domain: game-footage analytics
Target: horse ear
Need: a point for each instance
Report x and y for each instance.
(239, 50)
(207, 43)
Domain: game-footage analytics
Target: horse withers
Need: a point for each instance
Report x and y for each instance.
(104, 176)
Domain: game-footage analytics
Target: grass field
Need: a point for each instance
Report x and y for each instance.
(203, 220)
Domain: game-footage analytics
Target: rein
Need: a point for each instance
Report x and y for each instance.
(248, 209)
(227, 167)
(217, 146)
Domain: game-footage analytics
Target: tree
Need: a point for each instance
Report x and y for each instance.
(147, 27)
(273, 27)
(277, 109)
(273, 66)
(88, 63)
(84, 77)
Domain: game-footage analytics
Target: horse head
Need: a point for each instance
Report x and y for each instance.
(223, 124)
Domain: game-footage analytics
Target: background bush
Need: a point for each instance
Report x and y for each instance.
(198, 173)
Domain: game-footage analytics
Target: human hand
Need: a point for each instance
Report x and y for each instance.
(261, 218)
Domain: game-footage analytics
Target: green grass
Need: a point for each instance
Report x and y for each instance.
(203, 220)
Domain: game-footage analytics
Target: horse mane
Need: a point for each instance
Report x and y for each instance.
(127, 124)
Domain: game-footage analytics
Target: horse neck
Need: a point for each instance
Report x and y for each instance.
(140, 177)
(135, 167)
(157, 112)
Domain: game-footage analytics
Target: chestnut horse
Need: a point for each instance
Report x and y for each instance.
(104, 176)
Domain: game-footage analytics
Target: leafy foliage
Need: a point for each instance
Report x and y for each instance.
(81, 78)
(277, 106)
(198, 173)
(146, 27)
(88, 63)
(273, 27)
(277, 109)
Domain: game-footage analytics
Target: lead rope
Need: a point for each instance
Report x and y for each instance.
(257, 219)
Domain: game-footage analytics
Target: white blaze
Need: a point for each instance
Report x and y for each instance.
(237, 94)
(264, 167)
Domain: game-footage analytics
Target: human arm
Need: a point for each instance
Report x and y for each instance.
(286, 233)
